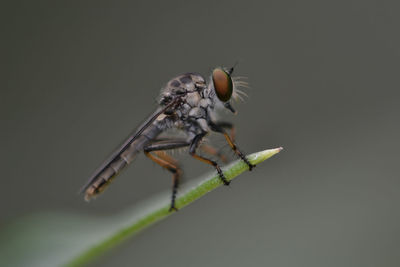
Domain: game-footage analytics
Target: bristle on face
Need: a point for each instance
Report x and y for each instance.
(238, 84)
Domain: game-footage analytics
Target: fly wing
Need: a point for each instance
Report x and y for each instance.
(123, 155)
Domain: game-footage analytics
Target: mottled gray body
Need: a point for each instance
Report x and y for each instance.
(190, 114)
(197, 103)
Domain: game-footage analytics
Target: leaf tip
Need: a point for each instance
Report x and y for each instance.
(265, 154)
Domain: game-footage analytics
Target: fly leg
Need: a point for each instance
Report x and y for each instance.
(212, 151)
(192, 150)
(167, 162)
(232, 133)
(220, 129)
(229, 126)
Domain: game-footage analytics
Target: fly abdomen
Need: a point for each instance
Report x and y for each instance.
(116, 163)
(104, 178)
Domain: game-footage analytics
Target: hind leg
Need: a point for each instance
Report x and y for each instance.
(167, 162)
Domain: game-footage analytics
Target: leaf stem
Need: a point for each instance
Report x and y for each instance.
(158, 212)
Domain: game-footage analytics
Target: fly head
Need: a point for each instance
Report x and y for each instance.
(223, 86)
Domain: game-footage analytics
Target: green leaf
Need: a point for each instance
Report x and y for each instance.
(74, 240)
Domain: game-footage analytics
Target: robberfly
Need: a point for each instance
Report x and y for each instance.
(188, 104)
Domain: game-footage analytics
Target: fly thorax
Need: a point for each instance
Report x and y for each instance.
(192, 114)
(193, 99)
(183, 84)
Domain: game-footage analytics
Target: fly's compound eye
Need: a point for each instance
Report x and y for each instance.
(223, 84)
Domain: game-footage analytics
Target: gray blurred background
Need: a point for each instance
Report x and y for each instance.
(76, 79)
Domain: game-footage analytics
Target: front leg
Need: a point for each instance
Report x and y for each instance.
(228, 126)
(219, 129)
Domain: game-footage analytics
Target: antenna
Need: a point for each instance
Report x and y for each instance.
(234, 66)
